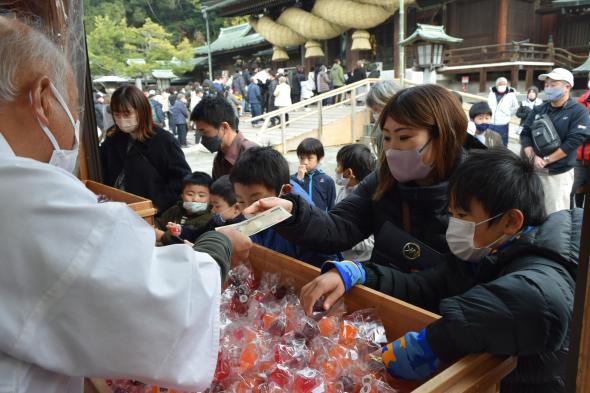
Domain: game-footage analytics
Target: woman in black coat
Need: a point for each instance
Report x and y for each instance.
(138, 157)
(404, 203)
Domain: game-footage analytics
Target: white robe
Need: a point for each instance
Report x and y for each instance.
(84, 291)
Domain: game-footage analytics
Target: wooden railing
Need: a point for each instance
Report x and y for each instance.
(515, 51)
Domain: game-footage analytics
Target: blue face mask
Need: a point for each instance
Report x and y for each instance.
(482, 127)
(554, 93)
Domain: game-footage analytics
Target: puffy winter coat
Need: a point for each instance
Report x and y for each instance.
(359, 216)
(517, 302)
(505, 108)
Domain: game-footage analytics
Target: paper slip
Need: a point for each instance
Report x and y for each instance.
(261, 221)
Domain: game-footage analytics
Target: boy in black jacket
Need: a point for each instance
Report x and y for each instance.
(507, 290)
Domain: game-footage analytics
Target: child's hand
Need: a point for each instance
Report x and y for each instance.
(301, 172)
(329, 285)
(410, 357)
(175, 229)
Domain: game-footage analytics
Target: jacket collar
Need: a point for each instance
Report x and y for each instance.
(5, 149)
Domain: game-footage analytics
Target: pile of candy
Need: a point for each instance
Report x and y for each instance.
(269, 345)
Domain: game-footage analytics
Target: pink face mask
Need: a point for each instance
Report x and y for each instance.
(407, 165)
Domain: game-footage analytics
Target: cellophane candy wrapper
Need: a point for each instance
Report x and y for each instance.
(269, 345)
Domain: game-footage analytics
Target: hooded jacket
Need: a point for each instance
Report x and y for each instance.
(359, 216)
(516, 302)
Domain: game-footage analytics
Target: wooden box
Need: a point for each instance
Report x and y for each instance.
(473, 373)
(142, 206)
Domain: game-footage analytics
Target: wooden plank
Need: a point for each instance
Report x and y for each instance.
(474, 373)
(96, 385)
(578, 370)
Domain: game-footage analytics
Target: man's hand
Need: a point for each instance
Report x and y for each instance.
(265, 204)
(530, 153)
(301, 171)
(240, 245)
(328, 284)
(539, 163)
(159, 234)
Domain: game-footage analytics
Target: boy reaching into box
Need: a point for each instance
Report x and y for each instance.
(262, 172)
(507, 290)
(191, 212)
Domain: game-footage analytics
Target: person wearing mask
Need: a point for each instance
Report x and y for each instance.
(504, 104)
(403, 203)
(139, 157)
(157, 112)
(337, 77)
(526, 106)
(378, 96)
(572, 124)
(218, 125)
(81, 277)
(323, 83)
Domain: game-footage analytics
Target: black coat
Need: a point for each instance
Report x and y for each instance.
(359, 216)
(517, 302)
(153, 169)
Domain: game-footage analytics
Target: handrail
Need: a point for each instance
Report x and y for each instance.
(314, 99)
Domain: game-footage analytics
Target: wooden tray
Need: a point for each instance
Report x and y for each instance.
(473, 373)
(142, 206)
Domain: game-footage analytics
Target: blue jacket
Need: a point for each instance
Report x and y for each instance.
(254, 94)
(320, 187)
(271, 239)
(178, 113)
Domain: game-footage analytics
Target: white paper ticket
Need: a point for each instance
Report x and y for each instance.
(261, 221)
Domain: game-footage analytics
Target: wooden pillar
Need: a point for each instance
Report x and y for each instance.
(514, 78)
(502, 31)
(528, 82)
(578, 367)
(483, 76)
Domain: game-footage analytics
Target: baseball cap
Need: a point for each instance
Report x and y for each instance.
(559, 74)
(151, 93)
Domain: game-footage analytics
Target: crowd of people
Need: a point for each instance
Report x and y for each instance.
(447, 220)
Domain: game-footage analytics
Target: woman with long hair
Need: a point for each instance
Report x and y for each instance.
(139, 157)
(404, 203)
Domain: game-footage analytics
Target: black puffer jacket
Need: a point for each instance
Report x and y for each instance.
(154, 169)
(359, 216)
(517, 302)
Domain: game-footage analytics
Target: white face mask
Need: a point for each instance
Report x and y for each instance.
(64, 159)
(340, 180)
(589, 84)
(460, 236)
(195, 207)
(501, 89)
(376, 116)
(127, 124)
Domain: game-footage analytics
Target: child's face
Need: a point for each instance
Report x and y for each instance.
(483, 118)
(310, 161)
(346, 174)
(221, 207)
(487, 232)
(195, 193)
(246, 195)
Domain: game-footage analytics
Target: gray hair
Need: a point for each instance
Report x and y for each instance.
(380, 93)
(501, 80)
(24, 48)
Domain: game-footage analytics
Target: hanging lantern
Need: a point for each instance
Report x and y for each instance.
(279, 54)
(360, 40)
(313, 49)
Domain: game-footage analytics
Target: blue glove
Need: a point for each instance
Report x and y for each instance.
(410, 357)
(351, 272)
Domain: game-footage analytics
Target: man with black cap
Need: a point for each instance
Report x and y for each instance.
(572, 124)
